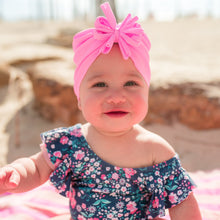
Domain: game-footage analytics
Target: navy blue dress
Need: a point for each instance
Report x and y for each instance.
(99, 190)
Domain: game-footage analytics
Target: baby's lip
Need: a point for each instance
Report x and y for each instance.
(116, 113)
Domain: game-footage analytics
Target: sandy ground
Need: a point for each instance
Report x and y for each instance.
(21, 125)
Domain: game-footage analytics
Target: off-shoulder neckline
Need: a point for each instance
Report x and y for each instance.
(160, 165)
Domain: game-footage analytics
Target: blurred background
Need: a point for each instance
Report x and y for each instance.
(14, 10)
(36, 72)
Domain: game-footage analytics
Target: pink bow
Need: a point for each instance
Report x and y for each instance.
(132, 40)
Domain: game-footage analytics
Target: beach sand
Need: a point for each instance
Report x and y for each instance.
(21, 124)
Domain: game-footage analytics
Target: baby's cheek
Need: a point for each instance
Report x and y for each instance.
(141, 106)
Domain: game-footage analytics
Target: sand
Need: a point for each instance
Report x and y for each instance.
(21, 124)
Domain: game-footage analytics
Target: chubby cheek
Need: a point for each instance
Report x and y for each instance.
(141, 106)
(89, 107)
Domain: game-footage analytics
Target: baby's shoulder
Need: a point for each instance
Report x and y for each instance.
(160, 149)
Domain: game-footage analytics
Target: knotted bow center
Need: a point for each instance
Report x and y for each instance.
(117, 33)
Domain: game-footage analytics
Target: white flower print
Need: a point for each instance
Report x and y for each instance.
(53, 146)
(122, 181)
(96, 164)
(117, 186)
(179, 192)
(160, 180)
(108, 168)
(123, 189)
(151, 178)
(79, 155)
(119, 205)
(92, 209)
(78, 208)
(86, 159)
(157, 173)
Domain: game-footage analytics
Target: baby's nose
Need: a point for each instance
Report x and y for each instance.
(116, 98)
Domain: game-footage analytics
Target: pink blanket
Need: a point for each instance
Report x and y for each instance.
(44, 203)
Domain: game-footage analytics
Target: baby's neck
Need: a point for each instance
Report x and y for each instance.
(90, 130)
(127, 149)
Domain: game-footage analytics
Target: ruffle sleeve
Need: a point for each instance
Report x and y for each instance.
(57, 146)
(172, 186)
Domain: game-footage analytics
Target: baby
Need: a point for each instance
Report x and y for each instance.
(110, 167)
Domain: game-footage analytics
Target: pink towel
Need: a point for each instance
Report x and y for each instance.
(43, 202)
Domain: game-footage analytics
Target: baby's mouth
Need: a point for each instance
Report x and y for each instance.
(116, 114)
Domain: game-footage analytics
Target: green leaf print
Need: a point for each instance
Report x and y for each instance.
(90, 215)
(171, 188)
(132, 218)
(78, 169)
(84, 214)
(97, 202)
(102, 201)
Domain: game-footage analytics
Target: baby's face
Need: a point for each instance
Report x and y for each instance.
(113, 94)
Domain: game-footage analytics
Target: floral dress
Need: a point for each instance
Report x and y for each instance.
(99, 190)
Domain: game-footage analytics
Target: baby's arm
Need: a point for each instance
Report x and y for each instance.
(188, 209)
(24, 174)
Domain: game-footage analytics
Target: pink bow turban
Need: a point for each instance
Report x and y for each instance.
(129, 35)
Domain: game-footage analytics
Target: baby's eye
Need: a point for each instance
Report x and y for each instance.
(100, 84)
(131, 83)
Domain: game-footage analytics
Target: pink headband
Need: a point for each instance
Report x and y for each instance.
(90, 43)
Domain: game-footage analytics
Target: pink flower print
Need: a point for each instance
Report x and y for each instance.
(129, 172)
(117, 168)
(80, 217)
(171, 177)
(76, 133)
(57, 162)
(79, 155)
(110, 216)
(120, 215)
(83, 205)
(72, 195)
(165, 194)
(63, 188)
(64, 140)
(57, 154)
(103, 176)
(155, 203)
(131, 206)
(73, 202)
(91, 185)
(173, 198)
(115, 176)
